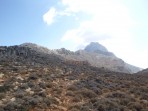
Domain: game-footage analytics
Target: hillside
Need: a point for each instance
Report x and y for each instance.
(35, 81)
(143, 72)
(94, 53)
(98, 56)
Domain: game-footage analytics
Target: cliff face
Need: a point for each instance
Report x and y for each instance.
(14, 51)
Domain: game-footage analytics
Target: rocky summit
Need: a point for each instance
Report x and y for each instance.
(33, 80)
(95, 46)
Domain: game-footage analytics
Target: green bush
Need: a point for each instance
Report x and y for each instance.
(87, 93)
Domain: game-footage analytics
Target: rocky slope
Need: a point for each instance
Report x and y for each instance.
(143, 72)
(35, 81)
(98, 56)
(95, 54)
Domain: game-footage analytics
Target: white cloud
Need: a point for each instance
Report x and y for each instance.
(49, 17)
(52, 14)
(109, 24)
(110, 19)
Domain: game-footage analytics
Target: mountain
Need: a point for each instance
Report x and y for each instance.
(110, 58)
(32, 79)
(94, 46)
(94, 53)
(98, 56)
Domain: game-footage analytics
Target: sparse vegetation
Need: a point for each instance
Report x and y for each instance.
(57, 85)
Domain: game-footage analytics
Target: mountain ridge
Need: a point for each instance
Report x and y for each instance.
(94, 53)
(98, 56)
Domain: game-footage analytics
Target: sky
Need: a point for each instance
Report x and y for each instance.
(120, 25)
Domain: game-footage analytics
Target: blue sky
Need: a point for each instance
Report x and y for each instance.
(120, 25)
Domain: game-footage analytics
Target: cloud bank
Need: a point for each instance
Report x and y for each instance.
(110, 21)
(109, 24)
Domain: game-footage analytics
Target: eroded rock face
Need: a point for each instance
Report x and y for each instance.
(12, 51)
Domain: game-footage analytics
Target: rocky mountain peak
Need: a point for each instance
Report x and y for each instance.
(95, 46)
